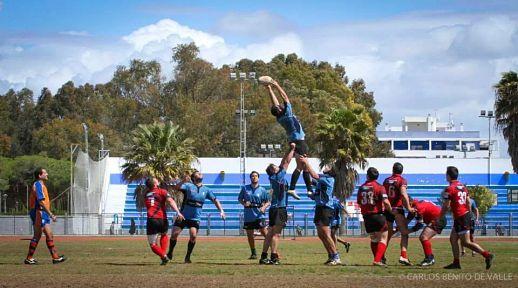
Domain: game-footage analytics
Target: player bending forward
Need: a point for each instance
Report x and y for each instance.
(373, 200)
(430, 214)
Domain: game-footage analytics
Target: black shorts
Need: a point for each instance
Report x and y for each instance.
(323, 216)
(156, 226)
(438, 224)
(253, 225)
(375, 223)
(391, 217)
(301, 147)
(187, 223)
(462, 224)
(278, 217)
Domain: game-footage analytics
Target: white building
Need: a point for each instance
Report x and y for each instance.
(426, 137)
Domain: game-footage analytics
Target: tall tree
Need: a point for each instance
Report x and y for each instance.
(506, 112)
(345, 137)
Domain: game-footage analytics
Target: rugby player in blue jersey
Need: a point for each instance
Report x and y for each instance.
(335, 224)
(256, 200)
(278, 216)
(291, 124)
(195, 194)
(324, 209)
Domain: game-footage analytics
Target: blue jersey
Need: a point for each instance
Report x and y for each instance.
(324, 191)
(194, 198)
(337, 218)
(279, 186)
(291, 124)
(257, 197)
(473, 207)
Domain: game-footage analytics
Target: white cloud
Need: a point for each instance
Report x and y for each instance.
(74, 33)
(416, 63)
(254, 24)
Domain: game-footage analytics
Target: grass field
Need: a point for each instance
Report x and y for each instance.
(222, 262)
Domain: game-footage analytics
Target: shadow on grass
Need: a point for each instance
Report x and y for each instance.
(238, 264)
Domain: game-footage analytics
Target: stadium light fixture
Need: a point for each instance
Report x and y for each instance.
(489, 115)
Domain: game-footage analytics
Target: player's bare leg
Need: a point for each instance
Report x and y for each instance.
(465, 241)
(251, 243)
(175, 232)
(455, 249)
(403, 228)
(425, 238)
(275, 244)
(193, 234)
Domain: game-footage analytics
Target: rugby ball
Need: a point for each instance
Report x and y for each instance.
(265, 80)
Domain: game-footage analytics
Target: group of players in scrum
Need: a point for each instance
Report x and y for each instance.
(381, 205)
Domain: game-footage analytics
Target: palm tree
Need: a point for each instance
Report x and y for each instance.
(346, 136)
(159, 150)
(506, 112)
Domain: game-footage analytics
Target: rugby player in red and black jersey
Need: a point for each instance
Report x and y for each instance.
(430, 214)
(156, 200)
(396, 188)
(456, 197)
(373, 200)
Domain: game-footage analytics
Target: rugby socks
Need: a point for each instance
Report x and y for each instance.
(172, 243)
(427, 248)
(486, 254)
(32, 247)
(404, 254)
(274, 256)
(380, 252)
(264, 255)
(294, 178)
(307, 180)
(374, 248)
(52, 249)
(164, 240)
(157, 250)
(254, 252)
(190, 247)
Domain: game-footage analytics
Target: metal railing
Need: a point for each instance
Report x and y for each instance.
(300, 224)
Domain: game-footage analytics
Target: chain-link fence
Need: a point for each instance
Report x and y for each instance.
(299, 225)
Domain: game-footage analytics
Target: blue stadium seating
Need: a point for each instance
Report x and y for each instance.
(303, 209)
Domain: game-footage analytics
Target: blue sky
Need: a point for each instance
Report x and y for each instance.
(418, 57)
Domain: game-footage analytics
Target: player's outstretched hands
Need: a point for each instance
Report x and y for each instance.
(180, 217)
(292, 146)
(54, 218)
(222, 215)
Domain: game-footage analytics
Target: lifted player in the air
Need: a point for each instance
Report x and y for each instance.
(456, 198)
(294, 132)
(256, 200)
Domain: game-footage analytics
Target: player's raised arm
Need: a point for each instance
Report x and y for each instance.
(282, 92)
(273, 97)
(285, 162)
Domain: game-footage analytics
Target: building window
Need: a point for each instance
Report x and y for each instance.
(400, 145)
(419, 145)
(512, 196)
(444, 145)
(472, 143)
